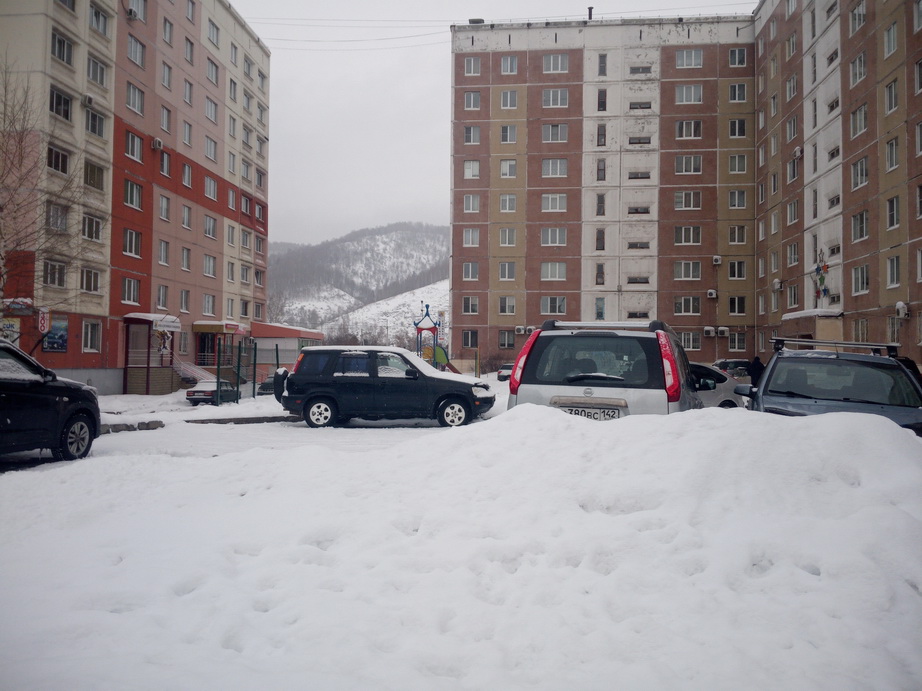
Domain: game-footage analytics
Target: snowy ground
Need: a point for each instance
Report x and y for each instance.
(716, 549)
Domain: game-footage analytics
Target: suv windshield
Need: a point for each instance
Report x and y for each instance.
(843, 380)
(623, 360)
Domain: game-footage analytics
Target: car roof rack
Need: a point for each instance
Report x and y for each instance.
(876, 348)
(652, 325)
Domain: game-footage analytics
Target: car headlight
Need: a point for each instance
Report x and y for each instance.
(481, 390)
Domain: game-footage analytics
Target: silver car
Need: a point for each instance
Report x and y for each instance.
(723, 394)
(604, 370)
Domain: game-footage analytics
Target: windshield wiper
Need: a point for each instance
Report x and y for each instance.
(793, 394)
(593, 375)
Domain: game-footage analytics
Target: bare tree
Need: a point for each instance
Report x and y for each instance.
(42, 199)
(278, 306)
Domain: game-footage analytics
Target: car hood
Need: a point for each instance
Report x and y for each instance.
(783, 405)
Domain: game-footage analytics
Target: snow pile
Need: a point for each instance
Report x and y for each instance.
(712, 549)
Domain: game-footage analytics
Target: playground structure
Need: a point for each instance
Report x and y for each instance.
(434, 353)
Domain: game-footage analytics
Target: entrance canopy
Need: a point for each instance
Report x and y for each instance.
(218, 327)
(159, 322)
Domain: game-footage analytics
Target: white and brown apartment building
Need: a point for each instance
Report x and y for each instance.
(152, 119)
(738, 177)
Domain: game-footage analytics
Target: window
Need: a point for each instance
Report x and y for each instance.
(737, 235)
(554, 168)
(737, 199)
(891, 96)
(96, 71)
(54, 274)
(554, 133)
(56, 217)
(600, 136)
(62, 48)
(602, 100)
(893, 271)
(132, 195)
(211, 148)
(507, 203)
(214, 33)
(553, 271)
(793, 211)
(189, 51)
(553, 202)
(187, 175)
(131, 291)
(167, 31)
(95, 123)
(892, 153)
(600, 204)
(688, 235)
(737, 93)
(736, 269)
(737, 163)
(793, 253)
(687, 270)
(99, 20)
(640, 69)
(472, 134)
(507, 237)
(210, 266)
(507, 271)
(471, 203)
(211, 227)
(136, 51)
(858, 69)
(556, 63)
(60, 104)
(688, 93)
(553, 237)
(134, 146)
(791, 127)
(857, 17)
(507, 134)
(509, 99)
(690, 57)
(166, 75)
(687, 165)
(509, 64)
(165, 118)
(737, 304)
(687, 200)
(738, 127)
(248, 67)
(553, 305)
(89, 281)
(135, 99)
(131, 243)
(92, 227)
(470, 305)
(790, 45)
(687, 304)
(859, 120)
(471, 100)
(208, 304)
(860, 173)
(860, 226)
(688, 129)
(640, 105)
(507, 168)
(470, 271)
(187, 91)
(211, 110)
(790, 87)
(471, 66)
(861, 280)
(893, 212)
(737, 57)
(555, 98)
(164, 208)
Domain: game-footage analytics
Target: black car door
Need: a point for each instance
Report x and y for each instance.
(402, 391)
(354, 384)
(28, 405)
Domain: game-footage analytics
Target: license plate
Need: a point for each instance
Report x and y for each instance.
(595, 413)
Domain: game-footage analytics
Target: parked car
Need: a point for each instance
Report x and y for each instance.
(329, 385)
(42, 410)
(205, 392)
(604, 370)
(504, 371)
(722, 395)
(735, 368)
(266, 388)
(828, 379)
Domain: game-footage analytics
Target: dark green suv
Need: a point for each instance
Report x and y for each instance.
(39, 410)
(329, 385)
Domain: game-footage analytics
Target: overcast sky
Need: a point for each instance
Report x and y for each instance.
(360, 109)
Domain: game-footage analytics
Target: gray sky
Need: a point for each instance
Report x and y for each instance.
(360, 109)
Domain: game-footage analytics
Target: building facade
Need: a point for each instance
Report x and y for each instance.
(167, 118)
(695, 171)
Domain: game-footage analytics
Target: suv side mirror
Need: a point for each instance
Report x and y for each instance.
(412, 374)
(744, 390)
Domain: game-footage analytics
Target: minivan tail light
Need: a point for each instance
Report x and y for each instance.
(670, 368)
(516, 377)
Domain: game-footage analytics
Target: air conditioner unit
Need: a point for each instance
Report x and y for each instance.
(712, 293)
(776, 285)
(902, 310)
(520, 329)
(723, 331)
(798, 152)
(529, 329)
(132, 13)
(717, 259)
(87, 100)
(709, 331)
(156, 143)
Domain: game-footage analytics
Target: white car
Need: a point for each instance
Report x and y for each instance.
(722, 395)
(504, 371)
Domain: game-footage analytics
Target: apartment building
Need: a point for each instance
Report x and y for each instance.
(169, 117)
(695, 170)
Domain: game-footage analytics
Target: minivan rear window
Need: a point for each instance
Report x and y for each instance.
(636, 361)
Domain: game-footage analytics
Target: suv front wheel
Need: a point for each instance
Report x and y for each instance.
(75, 440)
(321, 412)
(453, 413)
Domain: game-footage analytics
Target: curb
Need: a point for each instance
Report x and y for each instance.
(157, 424)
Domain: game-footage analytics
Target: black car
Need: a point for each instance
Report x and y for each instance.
(829, 378)
(329, 385)
(43, 411)
(205, 392)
